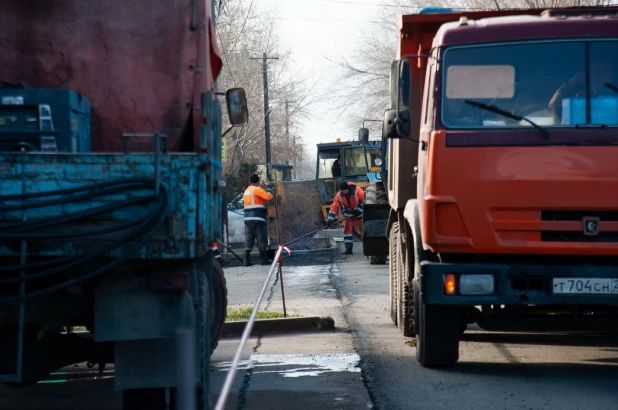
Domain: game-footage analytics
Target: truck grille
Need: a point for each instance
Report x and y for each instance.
(578, 236)
(578, 215)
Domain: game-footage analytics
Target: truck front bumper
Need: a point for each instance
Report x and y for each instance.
(521, 284)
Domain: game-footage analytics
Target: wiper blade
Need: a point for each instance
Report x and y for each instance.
(493, 108)
(611, 87)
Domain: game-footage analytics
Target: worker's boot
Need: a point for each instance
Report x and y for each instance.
(247, 261)
(264, 258)
(348, 249)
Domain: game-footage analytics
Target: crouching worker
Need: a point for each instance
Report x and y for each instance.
(349, 200)
(255, 198)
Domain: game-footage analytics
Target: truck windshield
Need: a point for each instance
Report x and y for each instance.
(553, 84)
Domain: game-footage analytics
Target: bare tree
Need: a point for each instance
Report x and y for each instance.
(364, 74)
(245, 31)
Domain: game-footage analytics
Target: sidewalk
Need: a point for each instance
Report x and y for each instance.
(308, 370)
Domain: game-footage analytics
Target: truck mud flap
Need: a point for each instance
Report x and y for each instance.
(375, 220)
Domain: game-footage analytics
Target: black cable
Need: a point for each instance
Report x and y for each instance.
(66, 200)
(102, 250)
(66, 191)
(154, 221)
(104, 268)
(30, 225)
(75, 216)
(112, 207)
(94, 232)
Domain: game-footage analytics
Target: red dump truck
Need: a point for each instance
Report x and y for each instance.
(502, 176)
(110, 190)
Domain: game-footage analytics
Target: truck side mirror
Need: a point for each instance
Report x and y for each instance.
(363, 136)
(400, 82)
(403, 89)
(397, 126)
(237, 110)
(394, 81)
(388, 127)
(403, 123)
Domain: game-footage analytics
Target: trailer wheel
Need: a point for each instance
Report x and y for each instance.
(392, 270)
(437, 333)
(138, 399)
(202, 320)
(218, 305)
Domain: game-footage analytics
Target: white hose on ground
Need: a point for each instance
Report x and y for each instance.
(229, 379)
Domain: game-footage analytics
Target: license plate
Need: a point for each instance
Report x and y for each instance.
(594, 286)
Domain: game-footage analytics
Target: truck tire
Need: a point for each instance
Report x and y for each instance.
(203, 343)
(405, 322)
(138, 399)
(392, 270)
(376, 194)
(437, 333)
(218, 305)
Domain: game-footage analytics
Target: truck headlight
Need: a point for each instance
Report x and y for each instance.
(377, 161)
(476, 284)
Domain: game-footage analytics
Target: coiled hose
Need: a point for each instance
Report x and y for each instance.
(138, 231)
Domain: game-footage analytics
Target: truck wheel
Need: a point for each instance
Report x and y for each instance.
(404, 319)
(203, 344)
(138, 399)
(376, 194)
(218, 305)
(437, 333)
(392, 270)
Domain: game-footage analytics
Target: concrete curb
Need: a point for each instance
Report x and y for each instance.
(289, 324)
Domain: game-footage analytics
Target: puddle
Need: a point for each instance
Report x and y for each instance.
(306, 275)
(297, 365)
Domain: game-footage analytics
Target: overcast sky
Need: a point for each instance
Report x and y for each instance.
(313, 29)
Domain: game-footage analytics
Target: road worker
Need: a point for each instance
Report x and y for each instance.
(255, 198)
(349, 200)
(336, 168)
(601, 83)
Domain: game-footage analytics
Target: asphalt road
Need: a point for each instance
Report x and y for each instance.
(365, 362)
(495, 370)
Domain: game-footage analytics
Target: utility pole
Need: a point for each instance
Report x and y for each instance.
(269, 165)
(287, 134)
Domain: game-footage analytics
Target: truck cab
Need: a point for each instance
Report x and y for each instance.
(507, 217)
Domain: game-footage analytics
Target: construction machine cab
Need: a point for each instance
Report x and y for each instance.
(343, 161)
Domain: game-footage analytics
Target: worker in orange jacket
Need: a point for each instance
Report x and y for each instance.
(349, 200)
(255, 198)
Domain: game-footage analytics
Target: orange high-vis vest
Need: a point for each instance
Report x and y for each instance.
(255, 198)
(348, 203)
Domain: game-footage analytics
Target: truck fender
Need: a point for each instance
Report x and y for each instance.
(412, 217)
